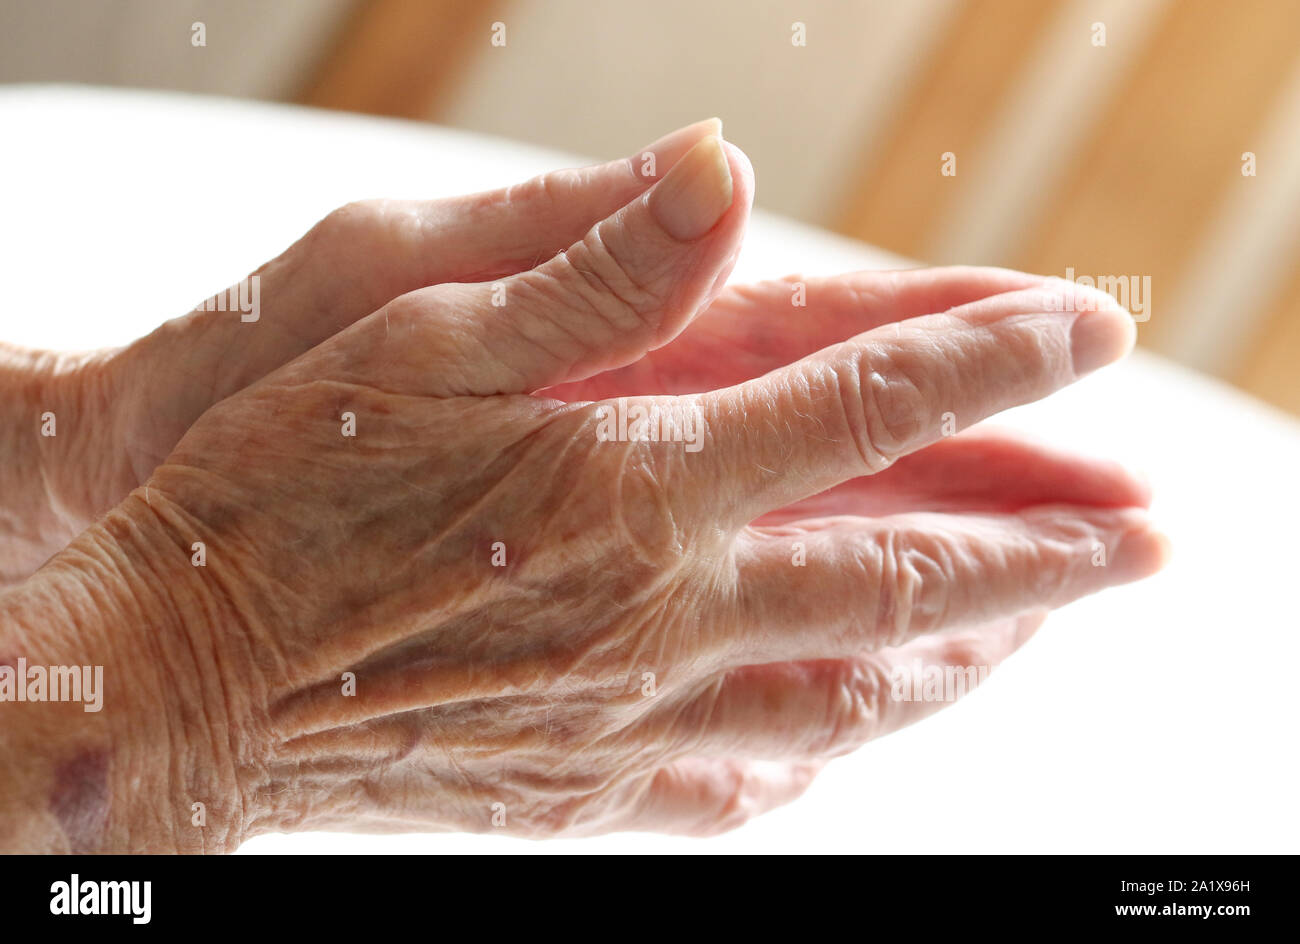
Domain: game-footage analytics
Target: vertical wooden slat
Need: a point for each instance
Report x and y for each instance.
(1272, 370)
(401, 57)
(1163, 154)
(902, 196)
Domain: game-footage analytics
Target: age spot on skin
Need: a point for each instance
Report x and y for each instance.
(79, 800)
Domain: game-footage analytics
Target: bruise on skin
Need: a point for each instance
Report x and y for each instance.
(79, 799)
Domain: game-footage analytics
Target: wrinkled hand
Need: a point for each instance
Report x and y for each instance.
(441, 589)
(119, 413)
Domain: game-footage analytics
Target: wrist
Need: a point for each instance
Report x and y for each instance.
(123, 767)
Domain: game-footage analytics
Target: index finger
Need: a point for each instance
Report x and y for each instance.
(853, 408)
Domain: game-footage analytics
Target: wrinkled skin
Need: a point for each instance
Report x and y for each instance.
(130, 407)
(469, 611)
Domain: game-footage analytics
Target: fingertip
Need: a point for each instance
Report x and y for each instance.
(1139, 485)
(742, 171)
(1101, 336)
(672, 147)
(1141, 554)
(1118, 485)
(1164, 549)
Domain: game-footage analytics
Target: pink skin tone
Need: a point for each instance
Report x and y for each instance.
(646, 654)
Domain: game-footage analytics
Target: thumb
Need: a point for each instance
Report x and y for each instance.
(630, 285)
(354, 261)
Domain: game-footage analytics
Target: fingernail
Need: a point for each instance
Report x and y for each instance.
(1101, 337)
(1141, 554)
(669, 149)
(696, 192)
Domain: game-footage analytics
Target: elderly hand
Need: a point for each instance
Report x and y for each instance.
(495, 557)
(116, 414)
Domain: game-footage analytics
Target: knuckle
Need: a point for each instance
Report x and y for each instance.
(972, 652)
(885, 406)
(404, 318)
(543, 193)
(619, 551)
(350, 222)
(435, 320)
(634, 481)
(739, 796)
(366, 243)
(855, 707)
(913, 577)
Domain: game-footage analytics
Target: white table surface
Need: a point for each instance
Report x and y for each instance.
(1156, 717)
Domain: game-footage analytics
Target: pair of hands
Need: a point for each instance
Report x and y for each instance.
(435, 594)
